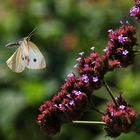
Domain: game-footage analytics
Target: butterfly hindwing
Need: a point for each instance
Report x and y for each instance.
(16, 62)
(36, 60)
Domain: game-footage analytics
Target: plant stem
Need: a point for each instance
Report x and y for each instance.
(89, 122)
(110, 93)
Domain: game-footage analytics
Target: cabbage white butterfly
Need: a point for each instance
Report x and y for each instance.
(27, 55)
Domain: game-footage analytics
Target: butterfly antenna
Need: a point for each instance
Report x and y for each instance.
(32, 32)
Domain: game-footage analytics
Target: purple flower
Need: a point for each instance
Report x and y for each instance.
(125, 52)
(77, 93)
(122, 39)
(69, 96)
(86, 65)
(85, 78)
(71, 102)
(135, 10)
(122, 107)
(95, 79)
(112, 113)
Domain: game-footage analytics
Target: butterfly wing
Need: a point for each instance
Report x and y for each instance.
(17, 62)
(36, 59)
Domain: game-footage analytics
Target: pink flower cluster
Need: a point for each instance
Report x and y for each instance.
(119, 51)
(73, 100)
(119, 119)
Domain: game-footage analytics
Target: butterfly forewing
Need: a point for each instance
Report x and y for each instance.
(36, 59)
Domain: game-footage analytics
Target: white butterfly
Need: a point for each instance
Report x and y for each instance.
(27, 55)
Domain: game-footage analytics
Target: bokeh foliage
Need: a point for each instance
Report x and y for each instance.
(65, 27)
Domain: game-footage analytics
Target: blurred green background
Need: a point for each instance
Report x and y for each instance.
(65, 27)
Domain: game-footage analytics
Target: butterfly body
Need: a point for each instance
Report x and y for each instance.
(27, 55)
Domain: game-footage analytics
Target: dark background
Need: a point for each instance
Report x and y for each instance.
(65, 28)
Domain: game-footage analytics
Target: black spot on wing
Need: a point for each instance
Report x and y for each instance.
(34, 60)
(24, 58)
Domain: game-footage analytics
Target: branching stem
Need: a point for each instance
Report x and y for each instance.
(110, 93)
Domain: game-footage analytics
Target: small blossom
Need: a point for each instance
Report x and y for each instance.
(112, 113)
(81, 53)
(127, 22)
(69, 96)
(110, 30)
(112, 40)
(134, 11)
(71, 102)
(85, 78)
(105, 50)
(78, 59)
(77, 93)
(122, 107)
(121, 22)
(125, 52)
(95, 79)
(92, 48)
(122, 39)
(70, 75)
(86, 65)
